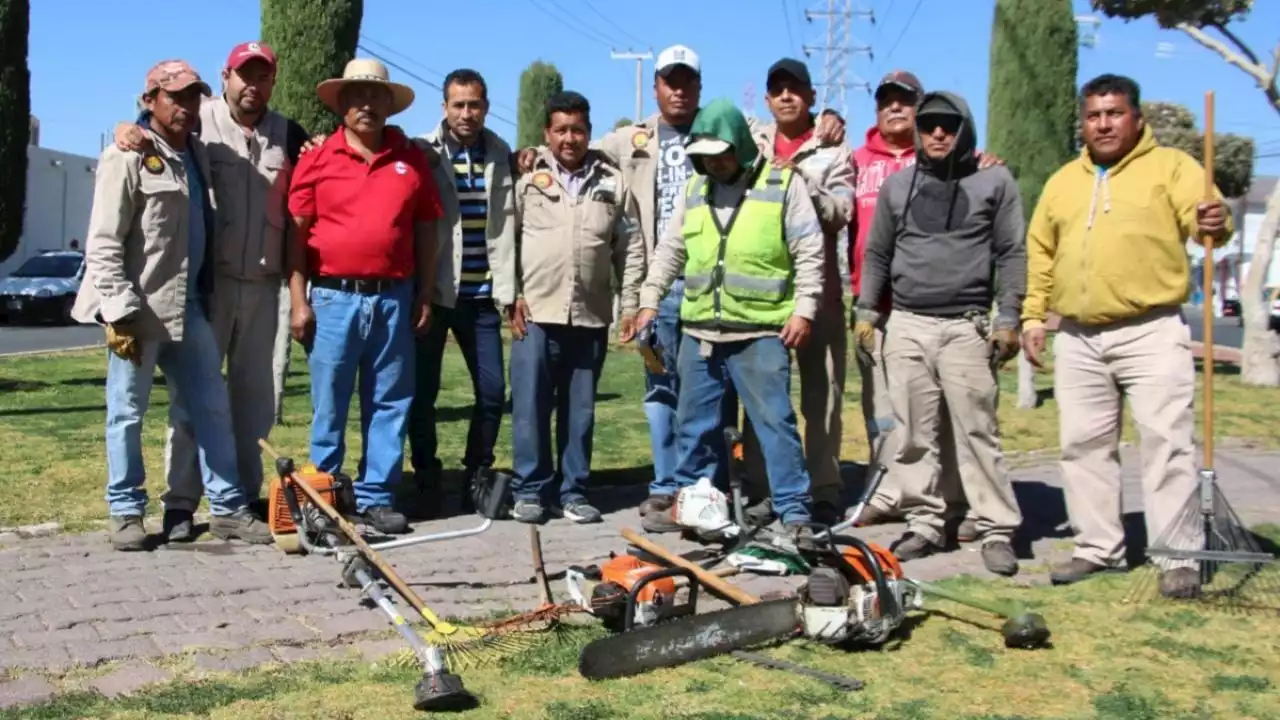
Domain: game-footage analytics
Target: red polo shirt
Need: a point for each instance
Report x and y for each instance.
(364, 211)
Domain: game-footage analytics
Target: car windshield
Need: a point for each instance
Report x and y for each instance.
(49, 266)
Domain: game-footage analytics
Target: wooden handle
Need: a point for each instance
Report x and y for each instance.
(737, 595)
(539, 570)
(1210, 193)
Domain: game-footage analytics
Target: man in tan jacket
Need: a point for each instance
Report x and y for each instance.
(576, 222)
(149, 275)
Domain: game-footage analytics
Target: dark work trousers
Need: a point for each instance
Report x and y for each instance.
(477, 328)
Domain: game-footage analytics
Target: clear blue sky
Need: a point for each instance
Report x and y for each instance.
(88, 57)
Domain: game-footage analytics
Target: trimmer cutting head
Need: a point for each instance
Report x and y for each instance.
(442, 692)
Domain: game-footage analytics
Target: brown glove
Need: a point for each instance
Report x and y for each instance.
(864, 337)
(122, 342)
(1005, 345)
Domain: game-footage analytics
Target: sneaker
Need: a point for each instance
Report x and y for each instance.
(241, 524)
(999, 558)
(1180, 583)
(128, 533)
(656, 504)
(912, 546)
(1075, 570)
(967, 531)
(581, 512)
(527, 511)
(179, 525)
(385, 520)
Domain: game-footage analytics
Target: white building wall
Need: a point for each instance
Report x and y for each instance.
(59, 200)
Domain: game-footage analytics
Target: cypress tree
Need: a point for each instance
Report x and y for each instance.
(314, 39)
(1032, 101)
(15, 121)
(538, 82)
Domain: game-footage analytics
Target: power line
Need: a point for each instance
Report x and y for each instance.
(786, 15)
(424, 81)
(902, 34)
(590, 34)
(614, 25)
(388, 49)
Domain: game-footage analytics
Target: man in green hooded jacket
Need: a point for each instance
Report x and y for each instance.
(746, 238)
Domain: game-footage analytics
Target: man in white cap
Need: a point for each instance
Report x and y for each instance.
(362, 273)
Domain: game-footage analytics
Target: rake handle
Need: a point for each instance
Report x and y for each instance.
(736, 594)
(1209, 271)
(369, 554)
(539, 570)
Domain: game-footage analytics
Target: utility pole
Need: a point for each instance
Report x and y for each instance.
(749, 99)
(840, 44)
(639, 58)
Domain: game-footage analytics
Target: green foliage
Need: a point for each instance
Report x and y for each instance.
(15, 121)
(1031, 103)
(314, 40)
(1169, 13)
(538, 82)
(622, 122)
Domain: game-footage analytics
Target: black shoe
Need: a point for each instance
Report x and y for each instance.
(259, 508)
(826, 513)
(385, 520)
(656, 504)
(179, 525)
(242, 525)
(1075, 570)
(913, 547)
(760, 514)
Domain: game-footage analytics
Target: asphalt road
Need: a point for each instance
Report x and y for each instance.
(1226, 331)
(20, 339)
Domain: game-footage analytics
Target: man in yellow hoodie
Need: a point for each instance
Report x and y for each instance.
(1106, 251)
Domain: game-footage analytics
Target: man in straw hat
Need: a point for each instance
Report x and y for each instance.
(362, 270)
(149, 274)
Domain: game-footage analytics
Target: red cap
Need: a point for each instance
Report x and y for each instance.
(244, 52)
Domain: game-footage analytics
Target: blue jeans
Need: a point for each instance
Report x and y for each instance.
(554, 367)
(371, 334)
(477, 326)
(761, 371)
(661, 399)
(192, 371)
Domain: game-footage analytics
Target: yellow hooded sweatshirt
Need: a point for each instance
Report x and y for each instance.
(1109, 245)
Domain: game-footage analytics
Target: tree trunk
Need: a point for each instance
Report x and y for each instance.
(1261, 361)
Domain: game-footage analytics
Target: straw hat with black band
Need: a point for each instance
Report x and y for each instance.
(362, 70)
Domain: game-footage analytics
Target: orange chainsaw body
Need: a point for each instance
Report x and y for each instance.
(627, 570)
(889, 565)
(279, 520)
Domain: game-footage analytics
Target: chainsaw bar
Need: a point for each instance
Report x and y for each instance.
(840, 682)
(688, 640)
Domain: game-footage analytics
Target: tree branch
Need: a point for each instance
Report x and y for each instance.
(1246, 59)
(1235, 40)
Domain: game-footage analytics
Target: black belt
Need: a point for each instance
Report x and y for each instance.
(361, 286)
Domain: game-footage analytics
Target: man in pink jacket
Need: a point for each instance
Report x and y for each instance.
(890, 147)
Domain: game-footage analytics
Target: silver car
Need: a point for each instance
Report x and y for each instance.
(43, 288)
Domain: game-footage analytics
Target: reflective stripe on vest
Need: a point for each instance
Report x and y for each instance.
(738, 276)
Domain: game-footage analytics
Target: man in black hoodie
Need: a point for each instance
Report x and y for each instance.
(941, 236)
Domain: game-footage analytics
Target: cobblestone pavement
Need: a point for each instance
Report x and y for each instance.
(69, 601)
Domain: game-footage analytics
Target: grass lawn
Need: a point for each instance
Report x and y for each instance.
(52, 409)
(1109, 661)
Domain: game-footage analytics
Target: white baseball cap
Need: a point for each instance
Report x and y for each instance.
(707, 146)
(675, 56)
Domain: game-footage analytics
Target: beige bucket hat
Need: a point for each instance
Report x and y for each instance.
(364, 70)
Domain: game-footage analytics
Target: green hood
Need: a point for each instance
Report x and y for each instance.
(722, 120)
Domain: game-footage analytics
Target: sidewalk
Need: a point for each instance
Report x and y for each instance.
(70, 602)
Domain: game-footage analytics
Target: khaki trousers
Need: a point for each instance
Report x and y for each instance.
(1148, 361)
(282, 350)
(245, 316)
(822, 364)
(930, 360)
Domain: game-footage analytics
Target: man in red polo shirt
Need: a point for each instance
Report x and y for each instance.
(365, 206)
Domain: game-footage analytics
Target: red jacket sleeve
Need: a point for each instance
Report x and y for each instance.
(302, 188)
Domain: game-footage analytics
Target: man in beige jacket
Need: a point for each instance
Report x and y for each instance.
(149, 275)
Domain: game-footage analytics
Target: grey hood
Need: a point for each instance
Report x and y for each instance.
(962, 161)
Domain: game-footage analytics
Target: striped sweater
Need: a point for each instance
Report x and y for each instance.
(476, 282)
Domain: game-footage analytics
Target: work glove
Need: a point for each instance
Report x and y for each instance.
(864, 336)
(120, 340)
(1005, 345)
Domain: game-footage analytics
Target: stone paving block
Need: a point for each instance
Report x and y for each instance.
(79, 633)
(129, 678)
(341, 626)
(29, 623)
(237, 660)
(288, 654)
(26, 690)
(160, 608)
(93, 653)
(59, 619)
(374, 650)
(279, 630)
(174, 643)
(120, 629)
(53, 658)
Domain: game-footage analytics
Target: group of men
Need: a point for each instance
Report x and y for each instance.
(718, 237)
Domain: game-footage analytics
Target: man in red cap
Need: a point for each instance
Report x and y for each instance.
(252, 150)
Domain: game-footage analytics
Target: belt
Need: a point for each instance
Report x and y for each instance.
(361, 286)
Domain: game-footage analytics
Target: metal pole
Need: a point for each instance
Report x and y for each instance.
(639, 58)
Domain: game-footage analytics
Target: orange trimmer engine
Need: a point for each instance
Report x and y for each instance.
(628, 592)
(289, 509)
(857, 592)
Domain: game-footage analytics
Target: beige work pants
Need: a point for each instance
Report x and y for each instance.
(1148, 361)
(282, 350)
(822, 364)
(245, 317)
(929, 360)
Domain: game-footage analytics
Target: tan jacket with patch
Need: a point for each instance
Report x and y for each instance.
(569, 250)
(136, 249)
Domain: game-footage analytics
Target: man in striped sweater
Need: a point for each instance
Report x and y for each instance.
(472, 169)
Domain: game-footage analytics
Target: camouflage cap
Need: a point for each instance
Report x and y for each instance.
(173, 76)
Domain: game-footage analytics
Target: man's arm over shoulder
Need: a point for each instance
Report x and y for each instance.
(668, 258)
(115, 202)
(1008, 233)
(877, 254)
(804, 238)
(1187, 190)
(832, 189)
(628, 250)
(1042, 246)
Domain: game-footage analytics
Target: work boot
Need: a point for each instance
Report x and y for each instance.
(385, 520)
(1180, 583)
(912, 546)
(527, 511)
(967, 531)
(1075, 570)
(128, 533)
(826, 513)
(179, 525)
(656, 515)
(999, 558)
(656, 504)
(259, 507)
(800, 534)
(760, 514)
(582, 513)
(241, 524)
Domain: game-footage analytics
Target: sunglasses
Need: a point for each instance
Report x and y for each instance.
(950, 124)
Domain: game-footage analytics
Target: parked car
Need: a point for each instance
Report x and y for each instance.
(43, 288)
(1271, 301)
(1231, 308)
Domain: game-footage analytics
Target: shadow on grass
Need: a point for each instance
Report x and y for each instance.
(15, 385)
